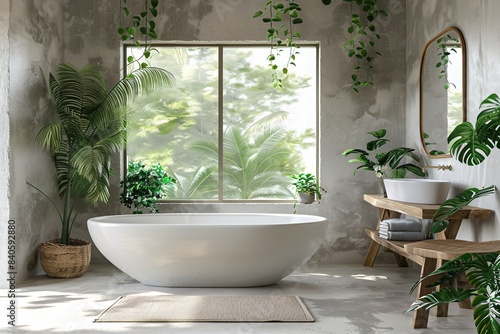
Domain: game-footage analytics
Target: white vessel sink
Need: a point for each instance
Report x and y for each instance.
(423, 191)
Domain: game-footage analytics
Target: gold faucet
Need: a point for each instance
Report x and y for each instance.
(439, 167)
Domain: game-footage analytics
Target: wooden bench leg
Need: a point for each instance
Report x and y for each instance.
(464, 284)
(441, 309)
(401, 260)
(372, 254)
(421, 315)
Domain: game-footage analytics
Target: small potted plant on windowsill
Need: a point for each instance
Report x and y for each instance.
(306, 187)
(143, 185)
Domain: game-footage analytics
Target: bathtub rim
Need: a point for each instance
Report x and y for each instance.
(311, 219)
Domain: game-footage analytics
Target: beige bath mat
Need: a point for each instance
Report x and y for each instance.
(169, 308)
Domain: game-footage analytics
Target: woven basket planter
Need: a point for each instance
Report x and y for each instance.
(65, 261)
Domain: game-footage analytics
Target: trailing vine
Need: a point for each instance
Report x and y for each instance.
(282, 16)
(140, 29)
(444, 51)
(363, 37)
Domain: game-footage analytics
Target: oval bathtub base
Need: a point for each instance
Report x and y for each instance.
(208, 250)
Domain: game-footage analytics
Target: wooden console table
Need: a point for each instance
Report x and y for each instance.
(393, 209)
(426, 258)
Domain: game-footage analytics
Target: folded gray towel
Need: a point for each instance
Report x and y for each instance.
(403, 236)
(400, 224)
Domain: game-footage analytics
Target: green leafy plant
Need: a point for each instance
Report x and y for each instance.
(482, 271)
(382, 161)
(140, 30)
(90, 129)
(306, 183)
(281, 17)
(363, 37)
(428, 143)
(446, 45)
(471, 144)
(143, 185)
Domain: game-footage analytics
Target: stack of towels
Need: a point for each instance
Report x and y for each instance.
(401, 229)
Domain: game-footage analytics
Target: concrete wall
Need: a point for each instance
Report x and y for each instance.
(46, 32)
(478, 21)
(35, 46)
(4, 138)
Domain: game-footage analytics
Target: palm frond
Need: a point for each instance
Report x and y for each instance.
(207, 148)
(268, 121)
(452, 205)
(444, 296)
(448, 271)
(50, 136)
(140, 82)
(71, 89)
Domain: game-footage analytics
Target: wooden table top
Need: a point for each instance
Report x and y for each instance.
(424, 211)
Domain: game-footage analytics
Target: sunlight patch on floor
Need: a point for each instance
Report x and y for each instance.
(369, 277)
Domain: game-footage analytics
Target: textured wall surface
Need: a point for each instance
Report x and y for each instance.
(478, 22)
(35, 49)
(47, 32)
(4, 138)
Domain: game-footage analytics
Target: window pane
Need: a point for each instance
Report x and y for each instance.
(177, 125)
(269, 134)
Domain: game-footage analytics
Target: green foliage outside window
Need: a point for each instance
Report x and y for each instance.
(179, 127)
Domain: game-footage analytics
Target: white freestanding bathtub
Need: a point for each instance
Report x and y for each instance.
(208, 249)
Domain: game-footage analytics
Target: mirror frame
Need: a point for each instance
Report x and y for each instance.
(464, 86)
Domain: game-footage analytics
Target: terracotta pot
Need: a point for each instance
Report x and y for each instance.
(65, 261)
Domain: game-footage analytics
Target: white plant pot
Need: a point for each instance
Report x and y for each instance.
(306, 198)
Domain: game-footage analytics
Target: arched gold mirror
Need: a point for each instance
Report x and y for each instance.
(443, 90)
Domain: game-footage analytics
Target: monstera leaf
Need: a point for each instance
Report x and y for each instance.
(471, 145)
(465, 145)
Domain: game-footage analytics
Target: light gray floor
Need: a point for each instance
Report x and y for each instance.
(342, 298)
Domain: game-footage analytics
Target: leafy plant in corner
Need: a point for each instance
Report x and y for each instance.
(140, 31)
(362, 41)
(482, 271)
(382, 161)
(90, 129)
(470, 145)
(143, 185)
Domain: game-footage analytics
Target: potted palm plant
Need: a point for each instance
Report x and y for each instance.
(90, 129)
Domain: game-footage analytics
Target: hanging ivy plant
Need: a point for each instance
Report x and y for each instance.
(282, 17)
(140, 29)
(363, 36)
(446, 45)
